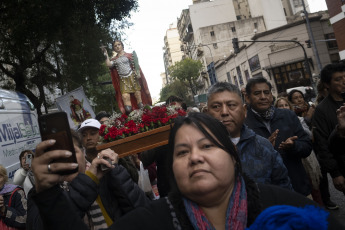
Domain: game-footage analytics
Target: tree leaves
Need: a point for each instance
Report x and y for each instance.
(187, 71)
(49, 44)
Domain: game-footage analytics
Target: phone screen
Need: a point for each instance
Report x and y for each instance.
(55, 126)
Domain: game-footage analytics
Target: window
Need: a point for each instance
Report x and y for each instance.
(228, 77)
(254, 63)
(239, 74)
(255, 25)
(212, 33)
(215, 45)
(335, 57)
(238, 17)
(246, 73)
(332, 44)
(233, 29)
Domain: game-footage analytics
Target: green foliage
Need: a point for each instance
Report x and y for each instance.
(187, 71)
(46, 44)
(176, 88)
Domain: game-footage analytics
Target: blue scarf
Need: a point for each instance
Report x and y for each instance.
(286, 217)
(236, 214)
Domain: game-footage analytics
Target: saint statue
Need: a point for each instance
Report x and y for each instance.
(131, 90)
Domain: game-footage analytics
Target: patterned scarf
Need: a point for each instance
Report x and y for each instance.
(236, 214)
(8, 188)
(266, 115)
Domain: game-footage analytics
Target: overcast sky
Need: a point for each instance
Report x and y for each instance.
(146, 36)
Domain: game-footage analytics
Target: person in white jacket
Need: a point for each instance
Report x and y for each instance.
(23, 176)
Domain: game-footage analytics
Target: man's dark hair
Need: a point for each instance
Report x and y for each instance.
(223, 86)
(256, 80)
(102, 114)
(328, 71)
(172, 99)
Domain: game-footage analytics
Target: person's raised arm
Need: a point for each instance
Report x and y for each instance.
(107, 59)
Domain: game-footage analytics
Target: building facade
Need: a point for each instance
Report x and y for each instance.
(283, 63)
(172, 49)
(336, 9)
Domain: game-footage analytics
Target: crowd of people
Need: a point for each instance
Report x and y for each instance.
(245, 160)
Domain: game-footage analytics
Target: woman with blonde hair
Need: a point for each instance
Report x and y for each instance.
(12, 203)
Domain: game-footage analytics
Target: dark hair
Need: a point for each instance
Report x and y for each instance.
(223, 86)
(102, 114)
(172, 99)
(294, 91)
(328, 71)
(22, 154)
(256, 80)
(112, 45)
(213, 130)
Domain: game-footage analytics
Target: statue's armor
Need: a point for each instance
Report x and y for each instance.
(123, 66)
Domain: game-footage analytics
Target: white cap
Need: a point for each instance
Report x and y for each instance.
(89, 123)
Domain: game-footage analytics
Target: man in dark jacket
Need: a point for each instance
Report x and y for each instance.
(324, 121)
(259, 159)
(282, 127)
(337, 145)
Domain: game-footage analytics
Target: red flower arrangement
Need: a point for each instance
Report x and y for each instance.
(121, 126)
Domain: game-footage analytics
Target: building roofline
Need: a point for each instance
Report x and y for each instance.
(299, 22)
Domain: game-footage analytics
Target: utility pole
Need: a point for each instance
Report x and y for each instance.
(311, 36)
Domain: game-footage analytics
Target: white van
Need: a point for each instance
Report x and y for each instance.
(18, 129)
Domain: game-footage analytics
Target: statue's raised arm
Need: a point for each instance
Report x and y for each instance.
(131, 90)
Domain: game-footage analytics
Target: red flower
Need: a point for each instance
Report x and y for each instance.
(102, 130)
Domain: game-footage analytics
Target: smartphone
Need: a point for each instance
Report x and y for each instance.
(56, 126)
(28, 159)
(104, 167)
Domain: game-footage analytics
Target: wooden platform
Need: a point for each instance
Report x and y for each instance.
(139, 142)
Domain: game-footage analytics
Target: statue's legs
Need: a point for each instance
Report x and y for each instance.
(126, 97)
(137, 95)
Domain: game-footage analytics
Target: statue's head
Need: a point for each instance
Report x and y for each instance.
(118, 46)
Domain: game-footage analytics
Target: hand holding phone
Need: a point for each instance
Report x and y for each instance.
(55, 126)
(103, 162)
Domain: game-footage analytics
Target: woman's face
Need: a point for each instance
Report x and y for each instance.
(202, 170)
(23, 159)
(283, 104)
(118, 47)
(297, 99)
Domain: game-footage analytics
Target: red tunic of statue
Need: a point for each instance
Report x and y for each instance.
(145, 93)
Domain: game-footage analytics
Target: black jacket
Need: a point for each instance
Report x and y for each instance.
(289, 125)
(159, 214)
(324, 121)
(118, 192)
(336, 147)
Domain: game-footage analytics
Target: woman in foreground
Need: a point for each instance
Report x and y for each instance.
(209, 190)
